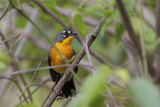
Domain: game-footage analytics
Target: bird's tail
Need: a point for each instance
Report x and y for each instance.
(69, 89)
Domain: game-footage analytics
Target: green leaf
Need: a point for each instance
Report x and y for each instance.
(78, 20)
(91, 94)
(136, 23)
(153, 4)
(119, 32)
(129, 5)
(145, 93)
(22, 22)
(150, 40)
(3, 66)
(123, 74)
(50, 4)
(4, 57)
(150, 36)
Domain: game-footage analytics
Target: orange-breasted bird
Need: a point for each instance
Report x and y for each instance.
(63, 43)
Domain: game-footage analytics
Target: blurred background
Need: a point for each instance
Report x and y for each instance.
(120, 75)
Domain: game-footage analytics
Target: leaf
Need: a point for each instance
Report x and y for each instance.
(22, 22)
(91, 92)
(145, 93)
(50, 4)
(2, 67)
(123, 75)
(150, 36)
(129, 5)
(119, 32)
(78, 20)
(136, 23)
(153, 4)
(150, 40)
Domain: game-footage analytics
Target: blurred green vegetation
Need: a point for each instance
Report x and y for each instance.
(110, 85)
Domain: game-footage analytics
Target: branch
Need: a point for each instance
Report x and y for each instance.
(129, 28)
(4, 12)
(157, 19)
(130, 56)
(28, 85)
(157, 54)
(13, 64)
(39, 85)
(43, 68)
(68, 74)
(53, 15)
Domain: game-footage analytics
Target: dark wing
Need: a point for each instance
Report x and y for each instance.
(55, 76)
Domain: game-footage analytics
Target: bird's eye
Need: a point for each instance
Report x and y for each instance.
(69, 32)
(64, 36)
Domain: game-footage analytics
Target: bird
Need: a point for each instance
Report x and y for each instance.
(63, 42)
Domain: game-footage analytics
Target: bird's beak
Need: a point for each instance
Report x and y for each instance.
(74, 33)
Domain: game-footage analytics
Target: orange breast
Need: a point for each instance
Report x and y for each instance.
(56, 58)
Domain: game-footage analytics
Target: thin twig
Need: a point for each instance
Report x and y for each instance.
(28, 29)
(157, 54)
(18, 85)
(27, 86)
(34, 24)
(129, 28)
(19, 38)
(5, 82)
(88, 54)
(6, 40)
(44, 68)
(49, 12)
(157, 18)
(3, 77)
(3, 39)
(4, 12)
(20, 100)
(13, 64)
(110, 94)
(40, 84)
(131, 56)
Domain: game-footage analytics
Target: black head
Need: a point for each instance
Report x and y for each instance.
(62, 35)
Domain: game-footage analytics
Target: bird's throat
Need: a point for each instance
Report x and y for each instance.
(68, 40)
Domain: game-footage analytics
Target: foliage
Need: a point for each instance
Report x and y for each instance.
(144, 92)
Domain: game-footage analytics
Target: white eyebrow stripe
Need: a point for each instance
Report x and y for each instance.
(64, 31)
(69, 32)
